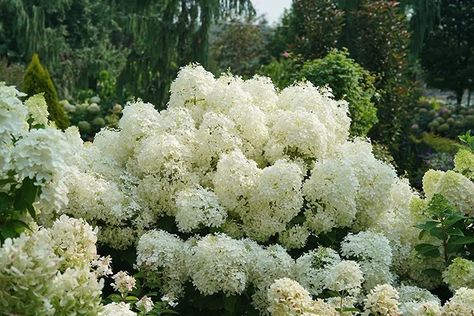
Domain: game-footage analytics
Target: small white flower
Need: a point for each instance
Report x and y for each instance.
(124, 283)
(145, 304)
(102, 266)
(170, 301)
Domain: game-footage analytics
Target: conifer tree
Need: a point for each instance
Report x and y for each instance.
(37, 80)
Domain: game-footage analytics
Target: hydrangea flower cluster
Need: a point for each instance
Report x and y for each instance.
(374, 254)
(460, 273)
(288, 297)
(48, 272)
(382, 300)
(32, 148)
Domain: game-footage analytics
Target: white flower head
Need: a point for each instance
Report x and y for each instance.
(123, 282)
(145, 304)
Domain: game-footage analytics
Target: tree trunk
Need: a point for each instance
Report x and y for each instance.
(459, 94)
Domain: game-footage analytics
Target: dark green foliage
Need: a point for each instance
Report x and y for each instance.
(319, 27)
(468, 139)
(165, 35)
(11, 73)
(37, 80)
(239, 46)
(449, 226)
(448, 55)
(15, 204)
(76, 39)
(424, 17)
(348, 81)
(367, 29)
(441, 144)
(283, 72)
(311, 28)
(378, 48)
(142, 43)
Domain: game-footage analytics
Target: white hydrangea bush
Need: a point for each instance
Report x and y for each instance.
(232, 186)
(236, 190)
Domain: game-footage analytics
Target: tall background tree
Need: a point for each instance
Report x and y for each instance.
(142, 42)
(74, 39)
(239, 45)
(448, 55)
(376, 34)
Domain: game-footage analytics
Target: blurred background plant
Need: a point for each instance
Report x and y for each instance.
(11, 73)
(95, 109)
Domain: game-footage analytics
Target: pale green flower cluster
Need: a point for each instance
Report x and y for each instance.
(13, 115)
(312, 267)
(123, 282)
(38, 110)
(115, 309)
(453, 186)
(165, 257)
(345, 276)
(464, 163)
(289, 298)
(415, 301)
(48, 271)
(460, 273)
(197, 207)
(382, 300)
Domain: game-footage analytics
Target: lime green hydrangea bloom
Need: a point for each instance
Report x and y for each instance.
(464, 163)
(459, 274)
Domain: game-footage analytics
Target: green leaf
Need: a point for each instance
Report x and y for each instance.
(6, 181)
(26, 196)
(462, 240)
(169, 311)
(453, 218)
(6, 202)
(115, 298)
(455, 231)
(453, 248)
(428, 225)
(438, 233)
(131, 298)
(13, 228)
(428, 250)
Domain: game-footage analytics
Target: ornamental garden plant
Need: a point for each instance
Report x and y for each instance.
(237, 199)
